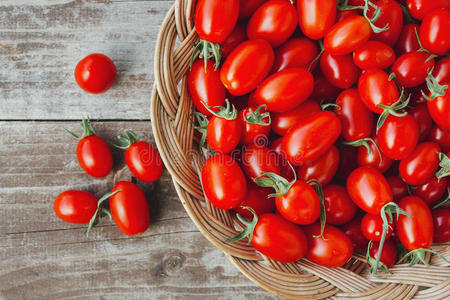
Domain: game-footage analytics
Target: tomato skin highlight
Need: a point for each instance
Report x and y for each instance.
(144, 161)
(279, 239)
(340, 70)
(129, 208)
(434, 31)
(75, 206)
(258, 159)
(95, 73)
(297, 52)
(373, 55)
(415, 232)
(310, 138)
(223, 135)
(323, 169)
(316, 17)
(282, 122)
(441, 221)
(340, 209)
(372, 227)
(375, 88)
(256, 198)
(418, 167)
(420, 8)
(94, 156)
(412, 68)
(353, 231)
(334, 250)
(255, 55)
(431, 191)
(439, 110)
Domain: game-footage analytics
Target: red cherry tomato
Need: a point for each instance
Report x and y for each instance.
(274, 21)
(423, 119)
(75, 206)
(412, 68)
(369, 189)
(420, 8)
(440, 137)
(323, 88)
(258, 199)
(353, 231)
(248, 7)
(372, 158)
(441, 70)
(310, 138)
(284, 90)
(129, 208)
(439, 110)
(255, 55)
(415, 232)
(279, 239)
(348, 162)
(257, 159)
(418, 167)
(398, 187)
(398, 136)
(388, 254)
(323, 169)
(223, 182)
(347, 35)
(95, 73)
(297, 52)
(340, 70)
(144, 161)
(407, 42)
(374, 55)
(282, 122)
(375, 88)
(339, 207)
(214, 20)
(236, 37)
(435, 31)
(254, 133)
(372, 227)
(441, 221)
(334, 249)
(431, 191)
(391, 15)
(223, 135)
(316, 17)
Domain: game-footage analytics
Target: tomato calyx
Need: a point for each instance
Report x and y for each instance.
(207, 50)
(444, 171)
(393, 109)
(124, 142)
(88, 130)
(422, 49)
(418, 255)
(329, 105)
(97, 217)
(229, 112)
(372, 262)
(322, 49)
(436, 89)
(249, 227)
(365, 142)
(256, 117)
(280, 184)
(367, 5)
(445, 202)
(323, 211)
(202, 121)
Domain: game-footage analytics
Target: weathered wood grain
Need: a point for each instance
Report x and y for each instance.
(42, 257)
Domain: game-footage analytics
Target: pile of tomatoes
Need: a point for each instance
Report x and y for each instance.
(327, 125)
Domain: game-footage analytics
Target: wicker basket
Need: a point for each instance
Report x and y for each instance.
(174, 133)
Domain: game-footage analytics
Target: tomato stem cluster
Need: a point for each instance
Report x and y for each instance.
(97, 217)
(88, 129)
(228, 112)
(367, 5)
(323, 211)
(393, 109)
(444, 171)
(207, 51)
(436, 89)
(373, 262)
(445, 202)
(124, 142)
(249, 227)
(418, 255)
(202, 126)
(365, 142)
(256, 117)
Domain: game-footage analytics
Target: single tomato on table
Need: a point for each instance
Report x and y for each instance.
(95, 73)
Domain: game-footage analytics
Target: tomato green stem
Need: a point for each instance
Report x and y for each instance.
(202, 126)
(280, 184)
(436, 89)
(207, 50)
(88, 130)
(249, 227)
(124, 142)
(228, 112)
(372, 262)
(256, 117)
(444, 171)
(365, 142)
(97, 217)
(323, 211)
(422, 49)
(445, 202)
(322, 49)
(393, 109)
(418, 255)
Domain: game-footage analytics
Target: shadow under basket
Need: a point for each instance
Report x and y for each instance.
(173, 129)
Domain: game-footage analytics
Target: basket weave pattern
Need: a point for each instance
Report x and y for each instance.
(174, 133)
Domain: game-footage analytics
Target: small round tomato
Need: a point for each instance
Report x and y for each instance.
(439, 110)
(95, 73)
(390, 15)
(412, 68)
(431, 191)
(372, 227)
(297, 52)
(347, 35)
(143, 160)
(407, 42)
(323, 169)
(374, 55)
(284, 90)
(441, 221)
(340, 209)
(257, 159)
(248, 7)
(420, 8)
(418, 167)
(423, 119)
(348, 162)
(255, 124)
(323, 88)
(398, 187)
(222, 134)
(282, 122)
(255, 55)
(388, 254)
(75, 206)
(340, 70)
(369, 189)
(440, 137)
(223, 182)
(258, 199)
(316, 17)
(416, 231)
(274, 21)
(129, 208)
(236, 37)
(353, 231)
(375, 88)
(434, 31)
(441, 71)
(398, 136)
(372, 158)
(334, 249)
(310, 138)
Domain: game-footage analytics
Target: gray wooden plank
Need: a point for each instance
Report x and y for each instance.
(42, 257)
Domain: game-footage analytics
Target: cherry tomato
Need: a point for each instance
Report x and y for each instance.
(415, 232)
(236, 37)
(439, 110)
(441, 221)
(334, 249)
(431, 191)
(435, 31)
(258, 199)
(257, 159)
(441, 70)
(75, 206)
(248, 7)
(440, 137)
(129, 208)
(274, 21)
(412, 68)
(423, 119)
(398, 136)
(369, 189)
(372, 227)
(375, 88)
(279, 239)
(284, 90)
(398, 187)
(374, 55)
(353, 231)
(407, 42)
(254, 55)
(372, 158)
(144, 161)
(418, 167)
(214, 20)
(95, 73)
(323, 169)
(297, 52)
(223, 182)
(223, 135)
(347, 35)
(316, 17)
(391, 15)
(285, 169)
(420, 8)
(340, 70)
(323, 88)
(282, 122)
(339, 207)
(254, 133)
(310, 138)
(348, 162)
(388, 254)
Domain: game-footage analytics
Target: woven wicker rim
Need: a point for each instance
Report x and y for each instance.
(174, 134)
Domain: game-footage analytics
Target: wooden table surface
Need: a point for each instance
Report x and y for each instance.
(42, 257)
